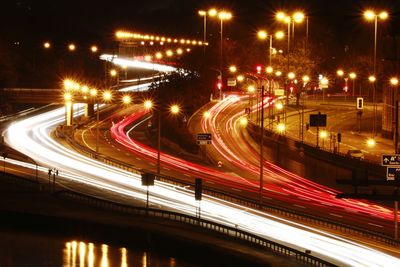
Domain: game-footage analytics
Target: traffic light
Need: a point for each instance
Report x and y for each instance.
(198, 188)
(360, 103)
(259, 68)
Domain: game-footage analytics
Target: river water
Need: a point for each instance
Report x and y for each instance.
(28, 249)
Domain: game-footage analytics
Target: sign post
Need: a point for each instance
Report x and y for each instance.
(204, 139)
(392, 163)
(318, 120)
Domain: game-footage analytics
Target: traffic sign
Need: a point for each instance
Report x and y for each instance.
(318, 120)
(204, 139)
(231, 81)
(391, 173)
(391, 160)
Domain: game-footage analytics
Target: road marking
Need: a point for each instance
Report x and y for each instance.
(299, 206)
(127, 154)
(138, 158)
(336, 215)
(281, 193)
(210, 182)
(166, 169)
(377, 225)
(118, 149)
(152, 164)
(351, 210)
(187, 175)
(267, 198)
(236, 189)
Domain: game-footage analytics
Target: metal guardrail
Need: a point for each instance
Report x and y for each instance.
(299, 256)
(255, 204)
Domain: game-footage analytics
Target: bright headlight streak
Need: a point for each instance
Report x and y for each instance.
(137, 64)
(31, 136)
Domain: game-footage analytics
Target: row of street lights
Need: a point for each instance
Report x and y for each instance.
(71, 47)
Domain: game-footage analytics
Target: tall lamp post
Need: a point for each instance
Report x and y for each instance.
(353, 77)
(263, 35)
(173, 109)
(223, 16)
(212, 13)
(373, 16)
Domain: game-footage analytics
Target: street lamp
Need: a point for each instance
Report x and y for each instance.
(47, 45)
(94, 49)
(173, 109)
(371, 15)
(353, 76)
(71, 47)
(232, 69)
(372, 79)
(223, 16)
(394, 82)
(263, 35)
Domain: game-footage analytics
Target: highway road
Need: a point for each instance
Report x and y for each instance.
(32, 136)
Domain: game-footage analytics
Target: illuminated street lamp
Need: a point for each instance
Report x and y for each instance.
(126, 99)
(353, 76)
(394, 82)
(94, 49)
(107, 96)
(71, 47)
(340, 72)
(174, 110)
(371, 15)
(371, 142)
(281, 128)
(232, 69)
(323, 135)
(263, 35)
(240, 78)
(46, 45)
(113, 73)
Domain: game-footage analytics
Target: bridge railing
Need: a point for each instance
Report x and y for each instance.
(232, 232)
(245, 201)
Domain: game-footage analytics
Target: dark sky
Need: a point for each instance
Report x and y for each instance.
(88, 20)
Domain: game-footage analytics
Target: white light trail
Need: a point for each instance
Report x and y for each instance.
(31, 136)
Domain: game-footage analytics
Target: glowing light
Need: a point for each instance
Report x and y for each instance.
(147, 58)
(394, 81)
(369, 14)
(232, 69)
(179, 51)
(298, 17)
(306, 78)
(175, 109)
(224, 15)
(352, 75)
(126, 99)
(280, 16)
(240, 78)
(323, 134)
(67, 97)
(46, 45)
(94, 49)
(243, 121)
(280, 127)
(93, 92)
(107, 96)
(279, 35)
(169, 53)
(212, 12)
(206, 114)
(383, 15)
(279, 106)
(84, 89)
(291, 75)
(269, 69)
(262, 35)
(371, 142)
(159, 55)
(340, 72)
(372, 78)
(278, 73)
(148, 104)
(71, 47)
(113, 72)
(251, 89)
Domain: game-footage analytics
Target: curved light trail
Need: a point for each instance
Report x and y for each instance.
(31, 136)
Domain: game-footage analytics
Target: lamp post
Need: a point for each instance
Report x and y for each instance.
(353, 77)
(372, 79)
(373, 16)
(223, 16)
(263, 35)
(212, 13)
(173, 109)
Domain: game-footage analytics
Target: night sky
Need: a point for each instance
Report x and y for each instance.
(97, 20)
